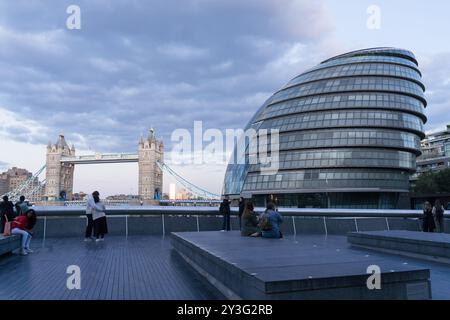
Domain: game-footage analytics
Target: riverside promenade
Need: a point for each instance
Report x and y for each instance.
(142, 263)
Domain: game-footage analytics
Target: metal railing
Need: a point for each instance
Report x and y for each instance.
(174, 210)
(289, 214)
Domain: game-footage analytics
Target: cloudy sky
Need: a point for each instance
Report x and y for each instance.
(167, 63)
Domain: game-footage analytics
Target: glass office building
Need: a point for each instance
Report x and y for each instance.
(350, 131)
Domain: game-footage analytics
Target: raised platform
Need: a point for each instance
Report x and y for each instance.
(9, 244)
(256, 268)
(423, 245)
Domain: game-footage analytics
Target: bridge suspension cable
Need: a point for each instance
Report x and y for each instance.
(31, 188)
(188, 185)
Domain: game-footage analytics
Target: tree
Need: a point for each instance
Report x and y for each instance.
(433, 182)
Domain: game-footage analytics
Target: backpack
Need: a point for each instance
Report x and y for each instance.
(264, 222)
(439, 211)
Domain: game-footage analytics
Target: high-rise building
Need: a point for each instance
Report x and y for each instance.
(4, 183)
(435, 151)
(349, 134)
(13, 178)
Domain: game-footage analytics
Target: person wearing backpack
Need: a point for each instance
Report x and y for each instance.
(21, 206)
(438, 213)
(270, 222)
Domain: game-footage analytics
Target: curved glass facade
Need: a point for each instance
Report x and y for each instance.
(350, 131)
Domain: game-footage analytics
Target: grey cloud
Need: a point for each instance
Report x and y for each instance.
(140, 63)
(436, 76)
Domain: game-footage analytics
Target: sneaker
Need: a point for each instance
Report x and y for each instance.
(98, 240)
(28, 250)
(88, 239)
(23, 252)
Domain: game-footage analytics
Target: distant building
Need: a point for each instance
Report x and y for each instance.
(12, 179)
(435, 152)
(4, 183)
(79, 196)
(123, 197)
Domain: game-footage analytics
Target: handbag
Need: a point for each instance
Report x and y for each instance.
(7, 229)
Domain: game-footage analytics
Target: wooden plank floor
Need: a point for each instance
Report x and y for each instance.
(140, 267)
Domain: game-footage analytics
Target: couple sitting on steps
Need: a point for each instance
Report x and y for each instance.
(266, 225)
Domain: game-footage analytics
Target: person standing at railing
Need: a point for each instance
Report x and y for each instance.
(99, 217)
(438, 213)
(90, 221)
(6, 212)
(241, 211)
(225, 211)
(428, 219)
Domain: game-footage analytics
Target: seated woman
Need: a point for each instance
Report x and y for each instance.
(270, 222)
(23, 225)
(249, 221)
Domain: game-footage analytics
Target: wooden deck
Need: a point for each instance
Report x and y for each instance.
(143, 267)
(119, 268)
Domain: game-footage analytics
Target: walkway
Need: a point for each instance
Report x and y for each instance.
(140, 267)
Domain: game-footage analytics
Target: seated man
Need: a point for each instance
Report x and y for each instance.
(270, 222)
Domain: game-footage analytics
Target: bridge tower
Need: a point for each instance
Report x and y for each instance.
(59, 176)
(150, 150)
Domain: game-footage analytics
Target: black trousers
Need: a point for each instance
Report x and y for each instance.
(90, 226)
(226, 222)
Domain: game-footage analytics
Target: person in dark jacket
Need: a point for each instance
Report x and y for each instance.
(438, 213)
(270, 222)
(428, 219)
(21, 206)
(6, 211)
(224, 210)
(241, 211)
(250, 221)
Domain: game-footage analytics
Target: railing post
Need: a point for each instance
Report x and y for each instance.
(45, 228)
(356, 225)
(325, 225)
(387, 224)
(163, 226)
(293, 225)
(126, 226)
(198, 225)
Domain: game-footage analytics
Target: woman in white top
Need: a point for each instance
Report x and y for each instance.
(98, 215)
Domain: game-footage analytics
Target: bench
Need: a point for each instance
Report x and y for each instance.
(9, 244)
(422, 245)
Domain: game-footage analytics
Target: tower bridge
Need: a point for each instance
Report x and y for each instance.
(101, 158)
(60, 168)
(61, 160)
